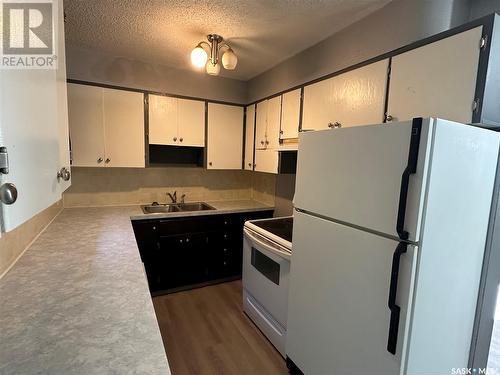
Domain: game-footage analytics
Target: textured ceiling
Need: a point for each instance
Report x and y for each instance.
(262, 32)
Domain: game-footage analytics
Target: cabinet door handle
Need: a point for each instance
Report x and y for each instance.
(175, 139)
(261, 142)
(267, 142)
(99, 161)
(210, 163)
(107, 160)
(389, 118)
(180, 139)
(249, 164)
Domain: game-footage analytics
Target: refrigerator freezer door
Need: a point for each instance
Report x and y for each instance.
(338, 319)
(354, 175)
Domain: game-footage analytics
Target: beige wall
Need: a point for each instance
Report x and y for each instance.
(121, 186)
(95, 66)
(398, 23)
(13, 243)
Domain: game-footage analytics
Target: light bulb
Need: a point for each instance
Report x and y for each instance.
(229, 60)
(199, 56)
(213, 69)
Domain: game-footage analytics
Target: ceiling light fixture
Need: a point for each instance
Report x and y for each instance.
(199, 56)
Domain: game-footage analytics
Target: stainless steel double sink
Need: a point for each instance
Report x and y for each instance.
(176, 207)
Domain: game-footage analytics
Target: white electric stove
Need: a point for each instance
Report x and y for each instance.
(267, 250)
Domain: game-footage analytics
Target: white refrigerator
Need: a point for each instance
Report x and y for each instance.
(388, 242)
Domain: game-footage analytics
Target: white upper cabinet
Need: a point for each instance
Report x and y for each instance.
(249, 137)
(290, 114)
(356, 97)
(261, 125)
(273, 123)
(162, 120)
(123, 128)
(266, 161)
(225, 136)
(106, 127)
(176, 122)
(191, 122)
(268, 124)
(86, 124)
(436, 80)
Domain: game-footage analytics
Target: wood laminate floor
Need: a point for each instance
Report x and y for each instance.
(206, 332)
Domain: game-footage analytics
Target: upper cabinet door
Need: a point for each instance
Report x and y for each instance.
(163, 120)
(32, 120)
(273, 123)
(317, 111)
(261, 125)
(358, 96)
(249, 137)
(436, 80)
(191, 122)
(353, 98)
(124, 128)
(86, 126)
(225, 136)
(290, 115)
(266, 161)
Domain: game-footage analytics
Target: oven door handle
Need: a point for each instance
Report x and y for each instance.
(273, 249)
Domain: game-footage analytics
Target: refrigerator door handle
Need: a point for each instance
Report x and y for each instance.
(411, 168)
(393, 289)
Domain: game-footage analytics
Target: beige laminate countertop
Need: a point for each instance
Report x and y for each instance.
(77, 301)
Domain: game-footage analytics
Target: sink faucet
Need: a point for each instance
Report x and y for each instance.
(173, 197)
(183, 196)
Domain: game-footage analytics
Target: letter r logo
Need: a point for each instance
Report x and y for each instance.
(27, 28)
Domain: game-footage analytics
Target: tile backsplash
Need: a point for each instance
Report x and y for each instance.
(122, 186)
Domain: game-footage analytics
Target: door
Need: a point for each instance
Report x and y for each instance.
(356, 97)
(273, 123)
(191, 122)
(338, 315)
(123, 128)
(86, 125)
(249, 137)
(32, 120)
(290, 115)
(162, 120)
(261, 125)
(266, 161)
(436, 80)
(225, 136)
(357, 174)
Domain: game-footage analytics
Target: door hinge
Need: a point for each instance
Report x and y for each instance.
(4, 160)
(475, 105)
(483, 42)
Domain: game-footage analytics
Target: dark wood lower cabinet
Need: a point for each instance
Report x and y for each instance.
(185, 252)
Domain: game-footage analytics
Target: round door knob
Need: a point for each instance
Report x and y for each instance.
(64, 174)
(180, 241)
(389, 118)
(267, 142)
(210, 163)
(8, 193)
(99, 160)
(181, 139)
(175, 139)
(249, 164)
(261, 142)
(187, 239)
(281, 131)
(334, 125)
(107, 160)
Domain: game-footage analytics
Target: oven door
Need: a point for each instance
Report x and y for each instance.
(266, 268)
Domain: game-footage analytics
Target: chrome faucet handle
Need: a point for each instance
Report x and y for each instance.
(183, 196)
